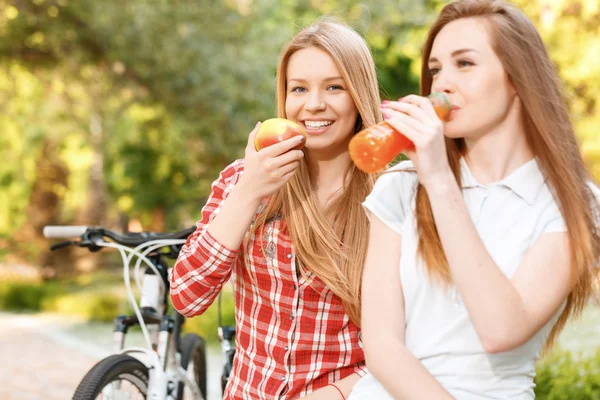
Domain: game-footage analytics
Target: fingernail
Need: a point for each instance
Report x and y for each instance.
(385, 102)
(301, 138)
(386, 115)
(400, 99)
(257, 124)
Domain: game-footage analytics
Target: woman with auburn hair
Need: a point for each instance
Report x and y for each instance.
(289, 225)
(486, 242)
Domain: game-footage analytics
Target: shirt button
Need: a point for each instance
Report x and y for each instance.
(283, 378)
(291, 316)
(286, 348)
(289, 255)
(295, 287)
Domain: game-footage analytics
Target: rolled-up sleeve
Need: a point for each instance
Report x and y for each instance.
(204, 265)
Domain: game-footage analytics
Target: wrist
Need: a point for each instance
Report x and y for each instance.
(441, 183)
(244, 193)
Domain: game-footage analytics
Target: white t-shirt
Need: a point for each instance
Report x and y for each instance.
(509, 215)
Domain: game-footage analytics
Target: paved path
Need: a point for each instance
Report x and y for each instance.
(36, 364)
(44, 357)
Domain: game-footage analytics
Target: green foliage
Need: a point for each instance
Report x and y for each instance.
(93, 302)
(18, 296)
(161, 96)
(563, 376)
(100, 298)
(155, 98)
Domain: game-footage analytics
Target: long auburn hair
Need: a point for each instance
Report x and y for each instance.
(549, 134)
(333, 251)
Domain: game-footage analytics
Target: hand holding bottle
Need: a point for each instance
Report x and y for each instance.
(372, 149)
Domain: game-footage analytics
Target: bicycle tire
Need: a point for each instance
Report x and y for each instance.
(118, 366)
(193, 350)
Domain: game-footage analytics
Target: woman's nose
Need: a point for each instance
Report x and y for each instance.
(315, 103)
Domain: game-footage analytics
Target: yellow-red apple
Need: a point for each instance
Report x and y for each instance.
(277, 130)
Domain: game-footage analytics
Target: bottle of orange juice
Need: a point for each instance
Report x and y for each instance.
(372, 149)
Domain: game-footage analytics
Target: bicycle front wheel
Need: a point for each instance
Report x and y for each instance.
(193, 360)
(116, 377)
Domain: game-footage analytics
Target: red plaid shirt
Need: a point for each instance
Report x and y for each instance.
(293, 335)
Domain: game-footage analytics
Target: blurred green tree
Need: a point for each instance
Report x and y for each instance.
(139, 104)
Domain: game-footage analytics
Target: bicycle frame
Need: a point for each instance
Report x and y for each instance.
(164, 364)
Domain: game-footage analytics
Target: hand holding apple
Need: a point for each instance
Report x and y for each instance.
(268, 169)
(276, 130)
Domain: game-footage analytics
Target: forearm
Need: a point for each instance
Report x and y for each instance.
(479, 280)
(234, 219)
(205, 263)
(330, 392)
(402, 375)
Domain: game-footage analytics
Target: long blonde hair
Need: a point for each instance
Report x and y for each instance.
(335, 252)
(549, 134)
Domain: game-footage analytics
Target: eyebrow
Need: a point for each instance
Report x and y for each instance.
(455, 53)
(331, 78)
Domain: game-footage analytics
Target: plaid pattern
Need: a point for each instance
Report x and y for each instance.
(293, 335)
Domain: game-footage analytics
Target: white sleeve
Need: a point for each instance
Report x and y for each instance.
(392, 197)
(596, 206)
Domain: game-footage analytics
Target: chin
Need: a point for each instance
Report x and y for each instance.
(454, 133)
(325, 146)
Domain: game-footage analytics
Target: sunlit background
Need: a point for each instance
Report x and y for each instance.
(121, 113)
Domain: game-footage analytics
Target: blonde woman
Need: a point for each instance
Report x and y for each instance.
(288, 226)
(485, 243)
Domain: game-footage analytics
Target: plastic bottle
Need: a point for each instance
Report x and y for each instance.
(372, 149)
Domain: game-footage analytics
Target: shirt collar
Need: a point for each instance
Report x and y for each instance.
(526, 181)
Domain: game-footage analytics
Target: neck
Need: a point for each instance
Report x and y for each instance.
(327, 174)
(497, 153)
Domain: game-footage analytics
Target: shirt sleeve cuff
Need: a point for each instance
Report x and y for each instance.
(361, 370)
(217, 250)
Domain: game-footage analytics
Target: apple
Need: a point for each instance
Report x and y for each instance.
(277, 130)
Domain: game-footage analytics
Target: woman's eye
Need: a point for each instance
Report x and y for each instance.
(335, 87)
(298, 89)
(434, 71)
(465, 63)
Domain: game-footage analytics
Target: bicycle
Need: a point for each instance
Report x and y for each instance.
(168, 368)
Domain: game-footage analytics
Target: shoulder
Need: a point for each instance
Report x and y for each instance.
(595, 189)
(401, 178)
(392, 197)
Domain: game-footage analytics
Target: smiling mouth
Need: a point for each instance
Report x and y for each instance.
(316, 125)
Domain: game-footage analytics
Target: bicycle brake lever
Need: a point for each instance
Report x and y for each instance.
(90, 245)
(62, 244)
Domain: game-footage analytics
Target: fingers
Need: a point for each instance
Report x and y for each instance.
(415, 106)
(410, 121)
(283, 164)
(250, 145)
(406, 108)
(288, 157)
(423, 103)
(405, 124)
(286, 177)
(289, 168)
(282, 147)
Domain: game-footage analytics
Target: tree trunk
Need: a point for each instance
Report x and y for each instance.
(44, 209)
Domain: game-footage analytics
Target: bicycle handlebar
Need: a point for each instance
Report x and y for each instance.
(128, 239)
(63, 232)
